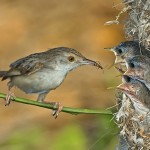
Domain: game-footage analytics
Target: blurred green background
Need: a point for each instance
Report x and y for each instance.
(32, 26)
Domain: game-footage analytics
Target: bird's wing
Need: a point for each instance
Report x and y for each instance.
(29, 64)
(25, 66)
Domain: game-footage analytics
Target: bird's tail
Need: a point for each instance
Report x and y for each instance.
(2, 73)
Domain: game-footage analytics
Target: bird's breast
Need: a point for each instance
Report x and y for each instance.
(39, 82)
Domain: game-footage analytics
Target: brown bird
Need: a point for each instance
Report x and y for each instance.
(42, 72)
(138, 67)
(135, 90)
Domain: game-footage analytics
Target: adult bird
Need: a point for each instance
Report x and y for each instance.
(42, 72)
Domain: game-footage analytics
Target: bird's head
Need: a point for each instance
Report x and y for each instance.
(125, 50)
(133, 88)
(138, 67)
(68, 59)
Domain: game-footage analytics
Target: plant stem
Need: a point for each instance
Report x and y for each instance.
(73, 111)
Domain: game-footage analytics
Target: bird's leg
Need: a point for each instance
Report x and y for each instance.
(59, 107)
(9, 94)
(56, 105)
(41, 97)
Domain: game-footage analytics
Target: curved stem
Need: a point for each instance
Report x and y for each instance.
(73, 111)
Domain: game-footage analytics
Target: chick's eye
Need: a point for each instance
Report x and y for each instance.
(119, 51)
(131, 65)
(71, 58)
(127, 79)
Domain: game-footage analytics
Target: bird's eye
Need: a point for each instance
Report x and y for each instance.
(71, 58)
(119, 51)
(127, 79)
(131, 65)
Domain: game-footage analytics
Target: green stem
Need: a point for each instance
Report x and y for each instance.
(65, 109)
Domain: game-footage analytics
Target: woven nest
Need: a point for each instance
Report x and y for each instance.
(137, 26)
(133, 117)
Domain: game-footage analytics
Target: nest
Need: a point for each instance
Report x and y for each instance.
(137, 25)
(133, 118)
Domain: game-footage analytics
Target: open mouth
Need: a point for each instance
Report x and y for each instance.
(125, 86)
(133, 75)
(127, 91)
(119, 62)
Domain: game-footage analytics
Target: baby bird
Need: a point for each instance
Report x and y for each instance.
(138, 67)
(128, 49)
(42, 72)
(135, 90)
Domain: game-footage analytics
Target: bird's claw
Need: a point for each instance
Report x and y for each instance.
(8, 97)
(58, 109)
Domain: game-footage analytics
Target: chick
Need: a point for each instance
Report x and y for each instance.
(128, 49)
(138, 67)
(135, 90)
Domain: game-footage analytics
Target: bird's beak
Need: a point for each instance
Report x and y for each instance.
(126, 88)
(110, 49)
(131, 73)
(119, 60)
(123, 87)
(125, 84)
(91, 62)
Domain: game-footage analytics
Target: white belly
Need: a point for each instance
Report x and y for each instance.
(39, 82)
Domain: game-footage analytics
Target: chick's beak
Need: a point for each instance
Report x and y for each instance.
(119, 60)
(110, 49)
(126, 88)
(123, 87)
(132, 73)
(86, 61)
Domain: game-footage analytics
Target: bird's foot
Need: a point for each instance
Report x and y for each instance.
(8, 97)
(57, 108)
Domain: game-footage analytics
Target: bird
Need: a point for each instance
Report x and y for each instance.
(128, 49)
(135, 90)
(43, 72)
(138, 67)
